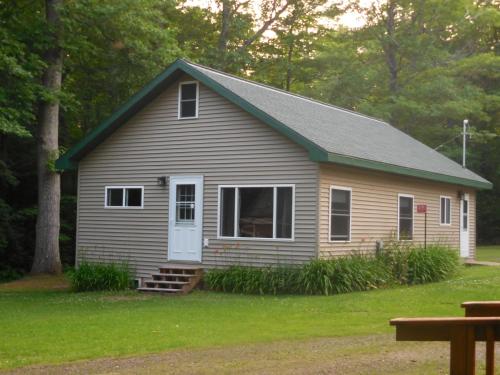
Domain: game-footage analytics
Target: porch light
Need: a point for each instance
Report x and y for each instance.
(161, 181)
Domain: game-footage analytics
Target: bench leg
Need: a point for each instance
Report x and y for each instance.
(490, 351)
(462, 351)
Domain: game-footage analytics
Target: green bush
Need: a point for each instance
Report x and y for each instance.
(397, 264)
(107, 276)
(432, 264)
(250, 280)
(418, 265)
(343, 275)
(9, 274)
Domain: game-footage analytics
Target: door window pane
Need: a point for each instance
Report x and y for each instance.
(255, 212)
(185, 203)
(284, 212)
(465, 208)
(227, 212)
(115, 197)
(405, 218)
(340, 219)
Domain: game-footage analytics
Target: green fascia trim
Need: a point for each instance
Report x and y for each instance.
(316, 153)
(395, 169)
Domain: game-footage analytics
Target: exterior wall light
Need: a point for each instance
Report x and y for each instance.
(161, 181)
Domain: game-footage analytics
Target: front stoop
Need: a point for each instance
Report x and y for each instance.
(174, 278)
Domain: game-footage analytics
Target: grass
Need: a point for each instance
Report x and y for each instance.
(40, 327)
(488, 253)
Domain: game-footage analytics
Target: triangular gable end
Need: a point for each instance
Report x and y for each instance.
(138, 101)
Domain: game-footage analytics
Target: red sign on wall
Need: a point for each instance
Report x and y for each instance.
(421, 208)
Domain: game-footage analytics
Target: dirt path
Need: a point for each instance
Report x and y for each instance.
(378, 354)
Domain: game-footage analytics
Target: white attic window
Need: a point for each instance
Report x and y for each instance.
(188, 100)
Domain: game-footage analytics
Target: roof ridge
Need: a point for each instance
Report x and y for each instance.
(281, 91)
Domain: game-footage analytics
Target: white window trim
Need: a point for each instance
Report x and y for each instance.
(441, 223)
(236, 213)
(179, 100)
(412, 216)
(122, 207)
(345, 188)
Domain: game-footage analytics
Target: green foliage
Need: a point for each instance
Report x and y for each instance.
(398, 264)
(419, 265)
(93, 277)
(9, 274)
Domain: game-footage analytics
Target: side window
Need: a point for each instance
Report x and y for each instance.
(405, 215)
(124, 196)
(188, 100)
(340, 214)
(445, 209)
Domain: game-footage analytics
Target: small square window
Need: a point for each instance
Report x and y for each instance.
(124, 197)
(188, 100)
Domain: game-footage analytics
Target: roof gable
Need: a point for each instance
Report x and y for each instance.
(328, 133)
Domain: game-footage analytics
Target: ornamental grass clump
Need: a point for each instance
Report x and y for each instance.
(94, 276)
(396, 264)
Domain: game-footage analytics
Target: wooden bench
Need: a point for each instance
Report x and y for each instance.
(461, 333)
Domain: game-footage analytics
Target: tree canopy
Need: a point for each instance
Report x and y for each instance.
(424, 66)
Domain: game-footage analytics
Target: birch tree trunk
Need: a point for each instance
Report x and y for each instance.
(47, 258)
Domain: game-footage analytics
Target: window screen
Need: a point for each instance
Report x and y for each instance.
(188, 100)
(340, 225)
(405, 218)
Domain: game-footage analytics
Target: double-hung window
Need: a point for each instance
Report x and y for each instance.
(265, 212)
(340, 214)
(445, 210)
(124, 196)
(405, 217)
(188, 100)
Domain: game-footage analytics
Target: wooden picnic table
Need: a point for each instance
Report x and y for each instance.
(481, 308)
(461, 333)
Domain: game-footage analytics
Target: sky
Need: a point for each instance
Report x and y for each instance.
(352, 19)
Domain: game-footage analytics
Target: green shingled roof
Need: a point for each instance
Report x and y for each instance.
(329, 133)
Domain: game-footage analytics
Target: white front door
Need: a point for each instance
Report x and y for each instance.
(185, 218)
(464, 226)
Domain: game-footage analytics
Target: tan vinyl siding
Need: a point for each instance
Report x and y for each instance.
(374, 212)
(225, 145)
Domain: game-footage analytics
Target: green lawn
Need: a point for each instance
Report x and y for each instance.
(59, 326)
(488, 253)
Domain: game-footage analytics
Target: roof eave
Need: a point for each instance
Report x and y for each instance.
(396, 169)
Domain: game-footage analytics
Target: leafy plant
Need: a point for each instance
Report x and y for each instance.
(92, 277)
(397, 264)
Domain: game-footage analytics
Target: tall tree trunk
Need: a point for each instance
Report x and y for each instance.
(288, 82)
(391, 47)
(47, 258)
(224, 33)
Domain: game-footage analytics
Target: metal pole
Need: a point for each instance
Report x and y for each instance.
(464, 134)
(425, 230)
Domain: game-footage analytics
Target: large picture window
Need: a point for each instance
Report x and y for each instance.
(264, 212)
(188, 100)
(445, 210)
(340, 214)
(123, 197)
(405, 217)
